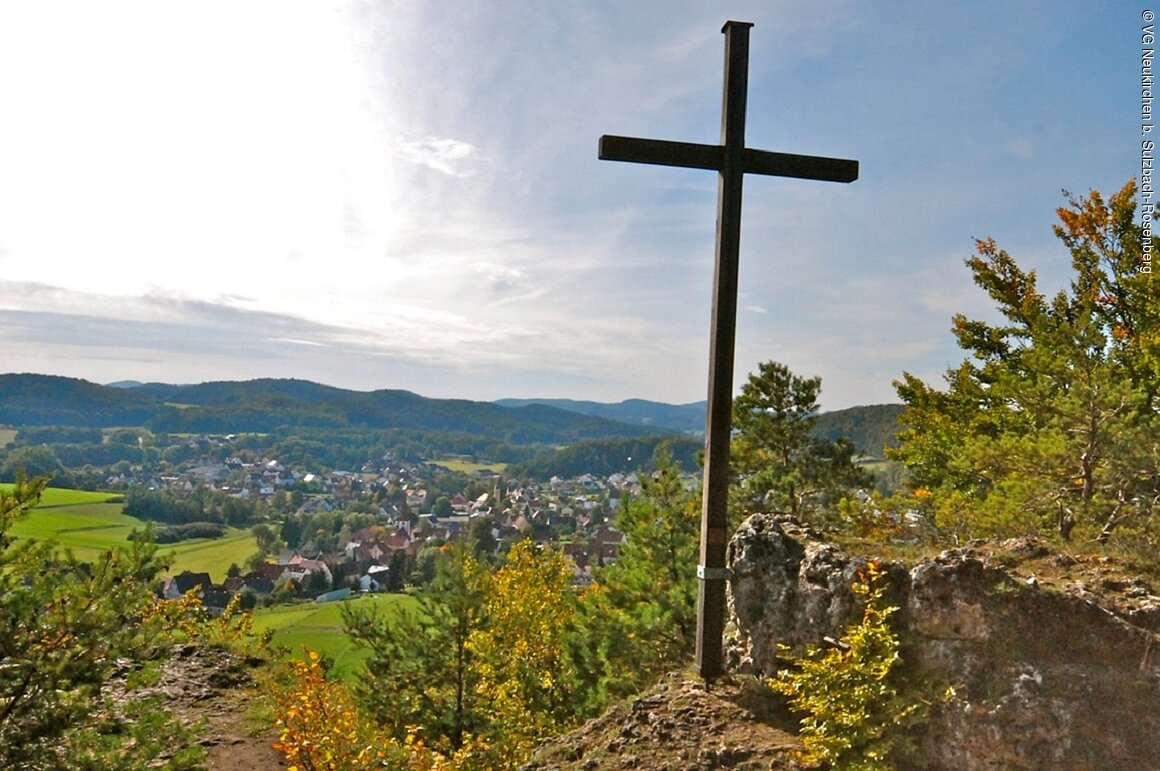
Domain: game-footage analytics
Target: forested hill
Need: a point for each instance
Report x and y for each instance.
(684, 418)
(265, 405)
(869, 429)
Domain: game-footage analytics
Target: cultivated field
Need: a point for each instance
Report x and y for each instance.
(318, 627)
(53, 497)
(82, 522)
(88, 525)
(469, 466)
(212, 556)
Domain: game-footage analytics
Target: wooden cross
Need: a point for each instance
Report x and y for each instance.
(732, 160)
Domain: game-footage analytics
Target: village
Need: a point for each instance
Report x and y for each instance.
(333, 534)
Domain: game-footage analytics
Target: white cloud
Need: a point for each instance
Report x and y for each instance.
(449, 156)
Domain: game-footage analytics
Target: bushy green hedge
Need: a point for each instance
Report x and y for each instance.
(186, 532)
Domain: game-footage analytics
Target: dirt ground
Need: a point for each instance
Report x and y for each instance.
(211, 688)
(680, 725)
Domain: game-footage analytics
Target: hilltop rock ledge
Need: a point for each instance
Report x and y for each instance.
(1053, 657)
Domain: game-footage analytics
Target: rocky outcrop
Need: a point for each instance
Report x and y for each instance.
(1047, 673)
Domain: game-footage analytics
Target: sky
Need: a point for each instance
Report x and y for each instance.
(406, 194)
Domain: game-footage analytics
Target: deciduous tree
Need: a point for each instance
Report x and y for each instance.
(525, 677)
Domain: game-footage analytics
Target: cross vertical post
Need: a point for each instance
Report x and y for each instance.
(732, 160)
(723, 332)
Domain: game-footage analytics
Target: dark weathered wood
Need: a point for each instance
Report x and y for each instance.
(800, 166)
(723, 332)
(660, 152)
(732, 160)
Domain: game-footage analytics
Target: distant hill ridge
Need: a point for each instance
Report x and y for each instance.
(870, 428)
(685, 418)
(264, 404)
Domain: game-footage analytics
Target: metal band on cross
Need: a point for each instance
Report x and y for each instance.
(732, 160)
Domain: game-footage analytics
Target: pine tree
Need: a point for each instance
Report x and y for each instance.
(1051, 421)
(421, 669)
(639, 619)
(779, 466)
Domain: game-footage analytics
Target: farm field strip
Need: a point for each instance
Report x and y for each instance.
(87, 529)
(319, 627)
(85, 523)
(213, 556)
(470, 466)
(70, 519)
(59, 496)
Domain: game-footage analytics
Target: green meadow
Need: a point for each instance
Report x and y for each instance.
(56, 496)
(88, 524)
(318, 626)
(84, 522)
(213, 556)
(469, 466)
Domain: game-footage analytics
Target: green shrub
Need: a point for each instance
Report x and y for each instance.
(855, 711)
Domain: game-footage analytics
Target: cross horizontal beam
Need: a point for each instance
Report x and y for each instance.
(697, 156)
